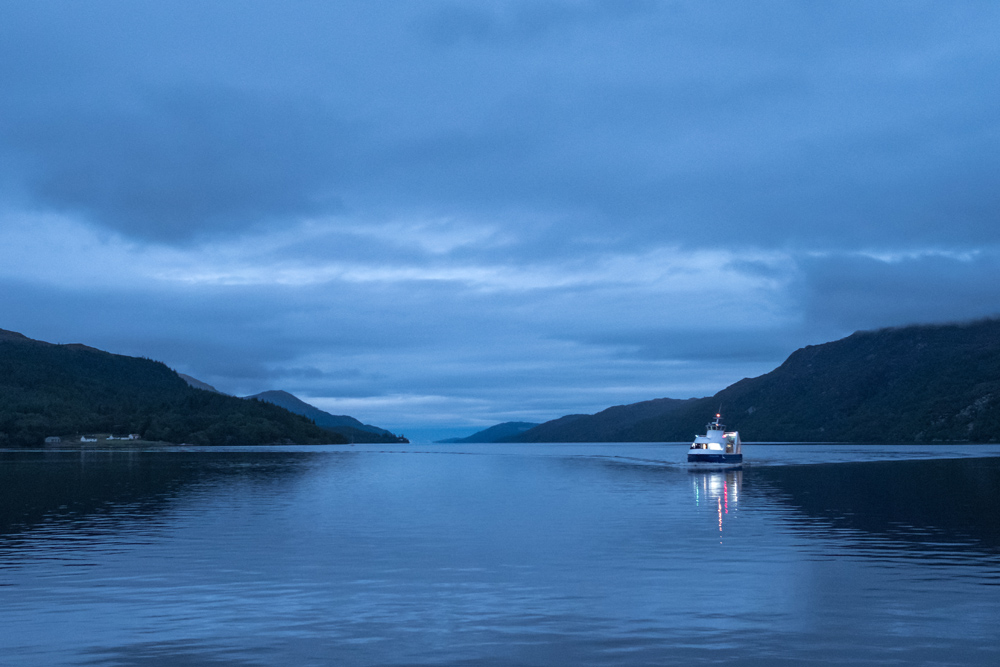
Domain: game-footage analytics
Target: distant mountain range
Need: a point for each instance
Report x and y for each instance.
(496, 433)
(909, 384)
(73, 390)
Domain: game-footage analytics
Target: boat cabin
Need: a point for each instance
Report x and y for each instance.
(728, 442)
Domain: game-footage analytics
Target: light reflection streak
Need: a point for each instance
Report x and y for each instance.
(718, 485)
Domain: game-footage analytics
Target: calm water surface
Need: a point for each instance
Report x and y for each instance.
(500, 555)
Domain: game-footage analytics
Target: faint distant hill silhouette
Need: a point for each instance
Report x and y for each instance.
(349, 427)
(907, 384)
(72, 390)
(495, 433)
(198, 384)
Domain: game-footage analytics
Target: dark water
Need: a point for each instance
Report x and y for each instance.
(500, 555)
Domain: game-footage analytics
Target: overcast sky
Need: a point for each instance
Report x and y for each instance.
(437, 216)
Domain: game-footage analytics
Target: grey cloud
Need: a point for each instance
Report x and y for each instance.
(843, 293)
(835, 126)
(226, 339)
(170, 165)
(742, 345)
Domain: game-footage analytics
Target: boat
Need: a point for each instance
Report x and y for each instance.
(716, 448)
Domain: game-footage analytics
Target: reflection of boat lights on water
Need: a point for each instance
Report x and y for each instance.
(722, 487)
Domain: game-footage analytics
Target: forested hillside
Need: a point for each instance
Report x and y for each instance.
(907, 384)
(69, 390)
(606, 426)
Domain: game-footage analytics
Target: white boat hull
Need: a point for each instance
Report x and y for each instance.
(715, 459)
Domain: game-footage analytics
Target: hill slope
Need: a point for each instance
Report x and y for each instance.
(70, 390)
(495, 433)
(347, 426)
(917, 383)
(605, 426)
